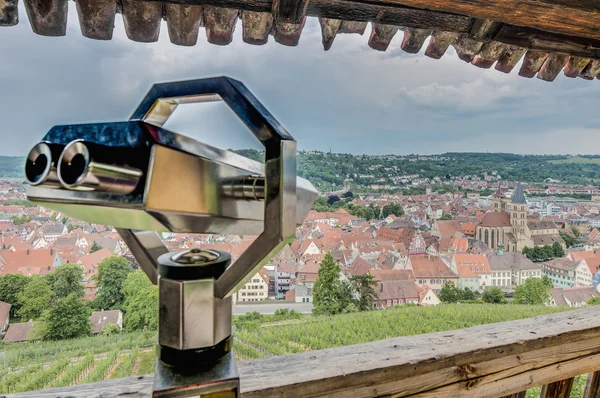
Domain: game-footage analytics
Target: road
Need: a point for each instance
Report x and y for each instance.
(269, 308)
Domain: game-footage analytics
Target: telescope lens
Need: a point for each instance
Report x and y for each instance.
(37, 165)
(71, 171)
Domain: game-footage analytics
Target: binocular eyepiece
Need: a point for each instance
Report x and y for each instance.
(73, 166)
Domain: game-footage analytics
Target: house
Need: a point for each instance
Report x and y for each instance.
(473, 270)
(18, 332)
(29, 262)
(431, 271)
(392, 274)
(307, 275)
(90, 262)
(447, 229)
(412, 239)
(304, 247)
(567, 273)
(4, 315)
(397, 292)
(581, 255)
(99, 319)
(299, 294)
(256, 289)
(511, 269)
(52, 231)
(284, 275)
(572, 297)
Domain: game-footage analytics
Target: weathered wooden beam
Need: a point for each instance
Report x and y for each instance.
(577, 18)
(381, 36)
(511, 56)
(483, 361)
(353, 27)
(547, 42)
(290, 11)
(553, 65)
(439, 43)
(592, 386)
(96, 18)
(466, 48)
(413, 39)
(183, 23)
(47, 17)
(521, 394)
(142, 20)
(532, 63)
(220, 24)
(329, 29)
(288, 34)
(558, 389)
(575, 65)
(591, 70)
(9, 13)
(484, 29)
(256, 27)
(490, 52)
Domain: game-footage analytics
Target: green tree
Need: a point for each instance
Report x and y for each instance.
(112, 272)
(141, 302)
(364, 286)
(466, 294)
(548, 251)
(528, 252)
(18, 220)
(66, 280)
(54, 216)
(330, 296)
(392, 208)
(593, 301)
(67, 319)
(534, 292)
(449, 293)
(569, 240)
(36, 297)
(95, 247)
(493, 295)
(110, 330)
(558, 250)
(11, 287)
(538, 253)
(547, 282)
(446, 216)
(348, 194)
(332, 199)
(576, 232)
(64, 220)
(71, 227)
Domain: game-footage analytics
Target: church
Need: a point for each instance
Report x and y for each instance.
(508, 225)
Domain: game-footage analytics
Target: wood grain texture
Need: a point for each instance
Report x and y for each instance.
(9, 13)
(574, 67)
(381, 36)
(521, 394)
(289, 11)
(97, 18)
(553, 65)
(183, 23)
(439, 43)
(484, 361)
(142, 20)
(220, 24)
(490, 52)
(256, 27)
(592, 386)
(532, 63)
(558, 389)
(467, 48)
(509, 58)
(329, 29)
(413, 39)
(47, 17)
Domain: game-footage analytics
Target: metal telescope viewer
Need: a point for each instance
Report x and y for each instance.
(142, 178)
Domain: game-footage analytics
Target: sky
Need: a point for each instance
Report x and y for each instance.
(351, 99)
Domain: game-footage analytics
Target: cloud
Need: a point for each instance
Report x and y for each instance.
(349, 99)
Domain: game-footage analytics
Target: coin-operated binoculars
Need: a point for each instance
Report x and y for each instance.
(140, 177)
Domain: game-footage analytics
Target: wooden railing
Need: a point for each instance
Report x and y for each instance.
(496, 360)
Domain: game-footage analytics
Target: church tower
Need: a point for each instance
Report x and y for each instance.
(518, 215)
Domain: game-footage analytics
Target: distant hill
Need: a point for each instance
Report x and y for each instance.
(11, 166)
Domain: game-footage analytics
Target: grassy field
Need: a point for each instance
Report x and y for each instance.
(576, 159)
(32, 366)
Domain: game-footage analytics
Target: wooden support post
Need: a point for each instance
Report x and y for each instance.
(142, 20)
(256, 27)
(96, 18)
(552, 67)
(9, 13)
(329, 29)
(559, 389)
(353, 27)
(47, 17)
(184, 23)
(575, 65)
(467, 48)
(510, 58)
(381, 36)
(532, 63)
(290, 11)
(592, 386)
(490, 52)
(439, 43)
(413, 39)
(220, 24)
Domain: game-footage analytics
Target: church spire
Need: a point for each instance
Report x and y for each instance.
(519, 196)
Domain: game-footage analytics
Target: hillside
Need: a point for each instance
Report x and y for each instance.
(330, 171)
(67, 362)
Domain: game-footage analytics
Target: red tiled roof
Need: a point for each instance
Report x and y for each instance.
(430, 267)
(392, 275)
(496, 219)
(581, 255)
